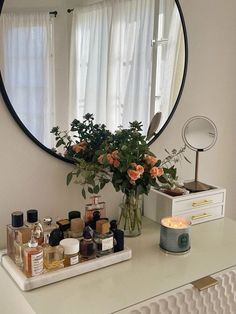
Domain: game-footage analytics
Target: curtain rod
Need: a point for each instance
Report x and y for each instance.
(54, 13)
(70, 10)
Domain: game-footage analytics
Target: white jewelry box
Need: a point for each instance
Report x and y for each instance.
(197, 207)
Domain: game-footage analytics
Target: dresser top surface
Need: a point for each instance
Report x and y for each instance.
(149, 273)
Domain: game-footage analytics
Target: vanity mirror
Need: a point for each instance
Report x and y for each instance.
(121, 67)
(199, 134)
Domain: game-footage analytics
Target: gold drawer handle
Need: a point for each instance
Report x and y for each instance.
(195, 217)
(201, 203)
(204, 283)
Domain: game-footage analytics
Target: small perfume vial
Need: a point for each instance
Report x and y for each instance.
(34, 224)
(33, 258)
(76, 228)
(17, 235)
(88, 248)
(95, 205)
(53, 256)
(104, 238)
(71, 251)
(118, 237)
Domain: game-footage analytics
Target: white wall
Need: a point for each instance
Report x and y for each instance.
(31, 178)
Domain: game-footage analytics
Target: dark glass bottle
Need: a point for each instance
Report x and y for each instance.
(118, 237)
(88, 247)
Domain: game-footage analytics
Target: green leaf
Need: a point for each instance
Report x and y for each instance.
(84, 193)
(90, 190)
(59, 143)
(69, 178)
(96, 189)
(102, 184)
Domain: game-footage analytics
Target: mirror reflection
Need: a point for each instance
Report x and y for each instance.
(120, 60)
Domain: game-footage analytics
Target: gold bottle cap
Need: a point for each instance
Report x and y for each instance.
(102, 226)
(76, 225)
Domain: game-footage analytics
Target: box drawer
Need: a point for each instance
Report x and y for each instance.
(204, 214)
(198, 202)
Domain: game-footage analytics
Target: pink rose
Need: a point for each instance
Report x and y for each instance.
(150, 160)
(116, 163)
(140, 169)
(100, 159)
(156, 172)
(133, 174)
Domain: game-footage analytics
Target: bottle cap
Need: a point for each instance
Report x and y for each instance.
(17, 219)
(102, 226)
(32, 215)
(71, 246)
(77, 225)
(88, 233)
(96, 215)
(55, 237)
(47, 220)
(74, 214)
(113, 224)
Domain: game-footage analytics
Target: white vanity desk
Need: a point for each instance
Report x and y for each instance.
(149, 273)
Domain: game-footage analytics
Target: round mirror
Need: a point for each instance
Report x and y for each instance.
(199, 134)
(59, 64)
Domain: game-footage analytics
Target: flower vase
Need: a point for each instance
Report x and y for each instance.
(130, 220)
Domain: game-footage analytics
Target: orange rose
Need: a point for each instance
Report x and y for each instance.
(116, 163)
(114, 154)
(150, 160)
(133, 174)
(140, 169)
(77, 148)
(110, 159)
(100, 159)
(156, 172)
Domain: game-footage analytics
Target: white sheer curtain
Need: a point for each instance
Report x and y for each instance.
(173, 65)
(27, 68)
(110, 62)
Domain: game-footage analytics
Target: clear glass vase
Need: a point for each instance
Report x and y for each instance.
(130, 220)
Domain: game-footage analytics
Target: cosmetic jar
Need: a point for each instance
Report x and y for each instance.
(71, 251)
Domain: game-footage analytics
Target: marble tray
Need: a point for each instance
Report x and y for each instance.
(27, 284)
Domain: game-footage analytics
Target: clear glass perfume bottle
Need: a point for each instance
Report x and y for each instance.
(95, 205)
(33, 258)
(88, 248)
(17, 235)
(53, 256)
(34, 224)
(103, 237)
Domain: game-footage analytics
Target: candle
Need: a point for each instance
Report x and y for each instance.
(175, 222)
(174, 235)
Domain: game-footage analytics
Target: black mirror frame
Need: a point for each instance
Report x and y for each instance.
(48, 150)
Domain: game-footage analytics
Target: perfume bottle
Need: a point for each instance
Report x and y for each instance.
(88, 247)
(118, 237)
(104, 238)
(95, 205)
(33, 258)
(71, 251)
(17, 235)
(34, 224)
(53, 254)
(76, 228)
(48, 225)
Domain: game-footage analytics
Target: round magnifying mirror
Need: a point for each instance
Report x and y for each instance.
(199, 134)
